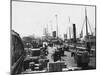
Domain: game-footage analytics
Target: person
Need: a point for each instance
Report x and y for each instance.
(88, 47)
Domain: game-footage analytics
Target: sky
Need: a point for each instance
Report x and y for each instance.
(30, 18)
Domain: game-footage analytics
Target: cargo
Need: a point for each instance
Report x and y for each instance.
(56, 66)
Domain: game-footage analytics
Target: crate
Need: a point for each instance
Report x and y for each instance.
(56, 66)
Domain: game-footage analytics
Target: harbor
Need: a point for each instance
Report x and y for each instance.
(49, 43)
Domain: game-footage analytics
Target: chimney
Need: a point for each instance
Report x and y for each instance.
(74, 33)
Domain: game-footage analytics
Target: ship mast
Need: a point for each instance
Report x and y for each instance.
(69, 33)
(86, 22)
(57, 24)
(69, 29)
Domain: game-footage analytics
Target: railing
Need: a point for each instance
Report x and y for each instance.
(15, 68)
(78, 47)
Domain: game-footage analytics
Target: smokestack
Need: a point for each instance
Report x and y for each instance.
(54, 33)
(74, 33)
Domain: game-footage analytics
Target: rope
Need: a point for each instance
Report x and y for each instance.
(89, 26)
